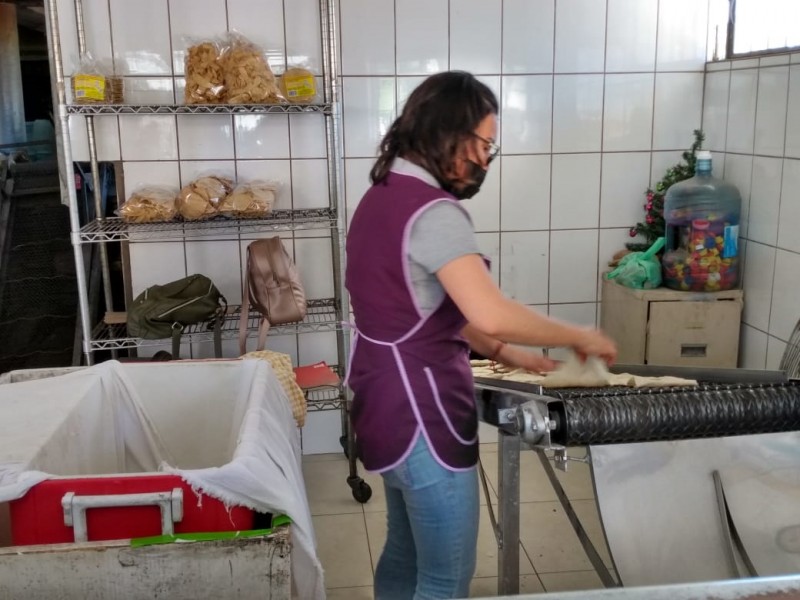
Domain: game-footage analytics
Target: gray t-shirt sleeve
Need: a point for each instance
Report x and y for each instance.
(441, 233)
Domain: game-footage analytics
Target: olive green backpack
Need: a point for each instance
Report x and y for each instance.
(163, 311)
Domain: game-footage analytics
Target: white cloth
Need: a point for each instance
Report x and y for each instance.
(224, 427)
(574, 373)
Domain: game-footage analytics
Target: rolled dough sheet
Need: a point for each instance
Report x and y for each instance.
(573, 373)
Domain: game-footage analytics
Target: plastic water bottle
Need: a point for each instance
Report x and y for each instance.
(702, 232)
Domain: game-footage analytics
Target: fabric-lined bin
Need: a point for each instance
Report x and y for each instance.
(215, 441)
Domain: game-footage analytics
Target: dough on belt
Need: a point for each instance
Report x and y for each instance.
(573, 373)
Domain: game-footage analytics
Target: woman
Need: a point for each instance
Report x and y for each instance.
(422, 296)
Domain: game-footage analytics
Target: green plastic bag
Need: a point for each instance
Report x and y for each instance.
(640, 270)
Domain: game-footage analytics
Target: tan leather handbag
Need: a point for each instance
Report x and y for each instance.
(271, 286)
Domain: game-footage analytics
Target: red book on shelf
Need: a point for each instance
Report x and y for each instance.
(316, 375)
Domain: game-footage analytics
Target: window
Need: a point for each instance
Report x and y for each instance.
(758, 26)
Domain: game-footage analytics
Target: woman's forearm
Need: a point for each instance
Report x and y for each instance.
(483, 344)
(517, 323)
(467, 281)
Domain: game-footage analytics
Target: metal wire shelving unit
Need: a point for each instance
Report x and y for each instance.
(323, 314)
(117, 230)
(197, 109)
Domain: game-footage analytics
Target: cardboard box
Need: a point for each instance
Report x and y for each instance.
(669, 327)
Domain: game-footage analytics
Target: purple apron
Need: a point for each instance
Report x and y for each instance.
(410, 374)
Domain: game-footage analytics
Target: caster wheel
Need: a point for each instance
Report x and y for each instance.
(362, 492)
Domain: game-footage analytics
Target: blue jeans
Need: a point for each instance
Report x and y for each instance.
(433, 530)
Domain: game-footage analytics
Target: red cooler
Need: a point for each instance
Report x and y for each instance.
(66, 510)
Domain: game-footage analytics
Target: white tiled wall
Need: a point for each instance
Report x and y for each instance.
(588, 90)
(751, 115)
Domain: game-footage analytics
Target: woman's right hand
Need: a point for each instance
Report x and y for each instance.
(593, 342)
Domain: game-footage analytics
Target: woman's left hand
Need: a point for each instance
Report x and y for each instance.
(536, 362)
(525, 359)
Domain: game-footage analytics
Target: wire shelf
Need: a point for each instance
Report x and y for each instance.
(331, 397)
(322, 315)
(197, 109)
(116, 230)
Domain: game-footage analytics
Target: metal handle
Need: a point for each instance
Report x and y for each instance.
(694, 350)
(75, 507)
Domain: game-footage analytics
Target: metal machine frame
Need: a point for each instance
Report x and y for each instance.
(523, 418)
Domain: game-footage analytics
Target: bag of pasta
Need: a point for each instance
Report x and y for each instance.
(202, 197)
(247, 75)
(252, 200)
(205, 83)
(149, 204)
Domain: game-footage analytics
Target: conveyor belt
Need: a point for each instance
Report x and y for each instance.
(614, 415)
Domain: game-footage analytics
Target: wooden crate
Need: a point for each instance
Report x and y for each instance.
(669, 327)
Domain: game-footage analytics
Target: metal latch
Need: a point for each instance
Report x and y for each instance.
(535, 426)
(533, 422)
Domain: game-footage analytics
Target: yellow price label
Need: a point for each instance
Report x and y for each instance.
(90, 87)
(300, 87)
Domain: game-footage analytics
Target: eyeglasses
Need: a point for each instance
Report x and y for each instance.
(492, 149)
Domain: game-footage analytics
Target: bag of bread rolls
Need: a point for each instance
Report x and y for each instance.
(205, 83)
(149, 204)
(201, 198)
(247, 75)
(251, 200)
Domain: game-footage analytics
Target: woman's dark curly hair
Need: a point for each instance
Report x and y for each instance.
(441, 112)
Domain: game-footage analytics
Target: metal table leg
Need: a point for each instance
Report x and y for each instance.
(508, 514)
(583, 536)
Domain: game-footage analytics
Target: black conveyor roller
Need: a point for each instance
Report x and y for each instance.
(614, 415)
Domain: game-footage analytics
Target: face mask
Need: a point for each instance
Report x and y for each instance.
(475, 176)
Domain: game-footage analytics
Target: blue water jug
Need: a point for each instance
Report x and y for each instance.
(701, 218)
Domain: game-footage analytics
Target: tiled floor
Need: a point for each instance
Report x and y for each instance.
(551, 557)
